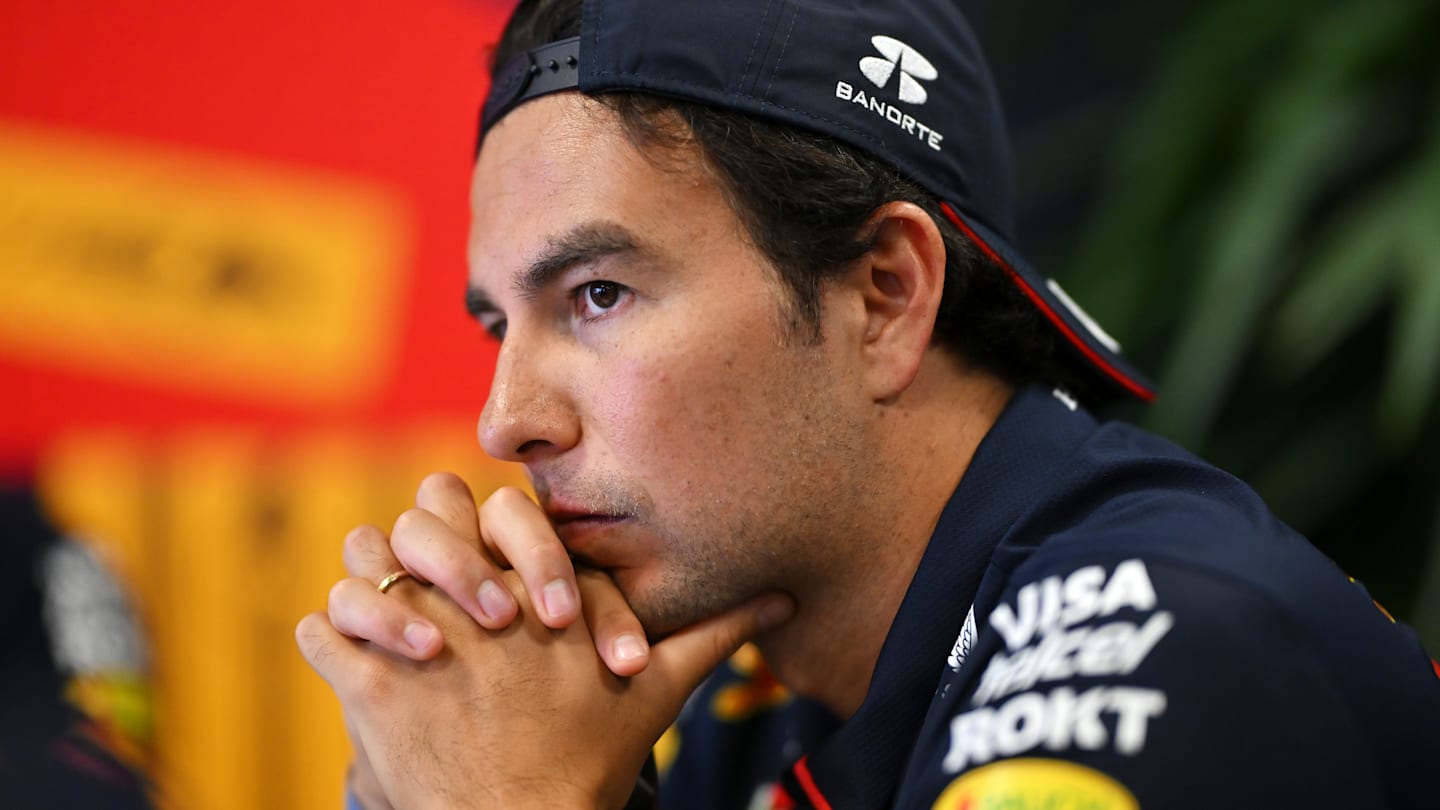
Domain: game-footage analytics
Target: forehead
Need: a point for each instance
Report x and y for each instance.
(563, 162)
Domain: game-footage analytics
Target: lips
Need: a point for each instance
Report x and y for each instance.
(578, 527)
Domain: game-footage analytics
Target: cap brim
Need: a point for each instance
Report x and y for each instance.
(1099, 351)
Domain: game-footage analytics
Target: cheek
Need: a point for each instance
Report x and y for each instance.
(676, 410)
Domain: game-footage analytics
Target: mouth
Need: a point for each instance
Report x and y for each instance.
(578, 528)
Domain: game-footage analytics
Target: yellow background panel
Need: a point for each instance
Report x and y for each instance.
(226, 539)
(201, 270)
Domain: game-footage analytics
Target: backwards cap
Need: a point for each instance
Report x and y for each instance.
(903, 80)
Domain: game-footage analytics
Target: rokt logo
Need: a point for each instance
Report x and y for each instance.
(913, 67)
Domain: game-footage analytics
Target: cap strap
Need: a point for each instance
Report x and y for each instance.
(530, 74)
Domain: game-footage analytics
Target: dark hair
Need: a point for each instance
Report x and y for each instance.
(805, 200)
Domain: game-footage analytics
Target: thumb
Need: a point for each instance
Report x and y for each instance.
(682, 660)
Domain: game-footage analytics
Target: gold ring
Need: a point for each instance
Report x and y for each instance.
(387, 582)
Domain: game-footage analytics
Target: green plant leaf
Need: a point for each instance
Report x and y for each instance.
(1343, 284)
(1161, 159)
(1427, 601)
(1304, 479)
(1248, 261)
(1414, 368)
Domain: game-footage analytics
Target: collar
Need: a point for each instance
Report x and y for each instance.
(861, 764)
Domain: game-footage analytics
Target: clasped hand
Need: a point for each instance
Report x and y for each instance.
(498, 675)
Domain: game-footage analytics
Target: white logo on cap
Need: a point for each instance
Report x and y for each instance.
(911, 64)
(913, 68)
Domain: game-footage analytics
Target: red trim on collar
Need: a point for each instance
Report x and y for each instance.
(807, 783)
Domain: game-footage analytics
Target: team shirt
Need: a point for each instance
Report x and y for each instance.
(1100, 621)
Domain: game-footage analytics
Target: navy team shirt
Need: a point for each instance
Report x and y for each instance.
(1101, 621)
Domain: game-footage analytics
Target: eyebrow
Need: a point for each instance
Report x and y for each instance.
(584, 243)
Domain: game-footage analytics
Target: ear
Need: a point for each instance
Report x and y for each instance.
(900, 281)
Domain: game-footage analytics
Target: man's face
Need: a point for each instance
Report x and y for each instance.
(677, 433)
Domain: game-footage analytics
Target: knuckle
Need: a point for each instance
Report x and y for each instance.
(444, 485)
(460, 516)
(361, 539)
(348, 610)
(439, 572)
(544, 558)
(488, 508)
(410, 522)
(372, 683)
(506, 498)
(340, 591)
(315, 644)
(366, 548)
(427, 555)
(306, 632)
(440, 480)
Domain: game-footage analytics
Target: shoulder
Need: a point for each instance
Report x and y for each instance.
(1134, 514)
(1181, 678)
(1147, 624)
(1127, 494)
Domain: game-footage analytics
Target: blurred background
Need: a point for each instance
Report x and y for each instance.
(231, 321)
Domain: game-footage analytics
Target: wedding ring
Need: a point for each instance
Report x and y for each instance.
(390, 580)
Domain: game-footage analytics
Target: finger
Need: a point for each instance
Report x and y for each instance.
(328, 652)
(357, 673)
(447, 497)
(619, 638)
(428, 548)
(359, 611)
(517, 531)
(367, 554)
(681, 661)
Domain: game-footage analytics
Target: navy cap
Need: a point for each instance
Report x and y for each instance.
(904, 80)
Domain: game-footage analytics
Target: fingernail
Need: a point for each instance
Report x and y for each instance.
(559, 599)
(628, 647)
(420, 636)
(776, 612)
(495, 602)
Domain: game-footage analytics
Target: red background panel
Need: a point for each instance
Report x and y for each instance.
(382, 93)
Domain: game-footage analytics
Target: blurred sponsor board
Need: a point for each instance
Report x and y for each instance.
(197, 271)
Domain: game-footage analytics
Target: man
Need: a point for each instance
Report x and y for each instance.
(777, 372)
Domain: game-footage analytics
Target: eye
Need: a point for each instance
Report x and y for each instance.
(495, 328)
(595, 298)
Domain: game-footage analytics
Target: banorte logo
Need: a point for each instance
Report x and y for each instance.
(895, 57)
(898, 56)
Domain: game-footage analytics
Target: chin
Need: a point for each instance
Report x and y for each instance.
(662, 614)
(660, 620)
(670, 596)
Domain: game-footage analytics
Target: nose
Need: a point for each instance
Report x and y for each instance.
(528, 415)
